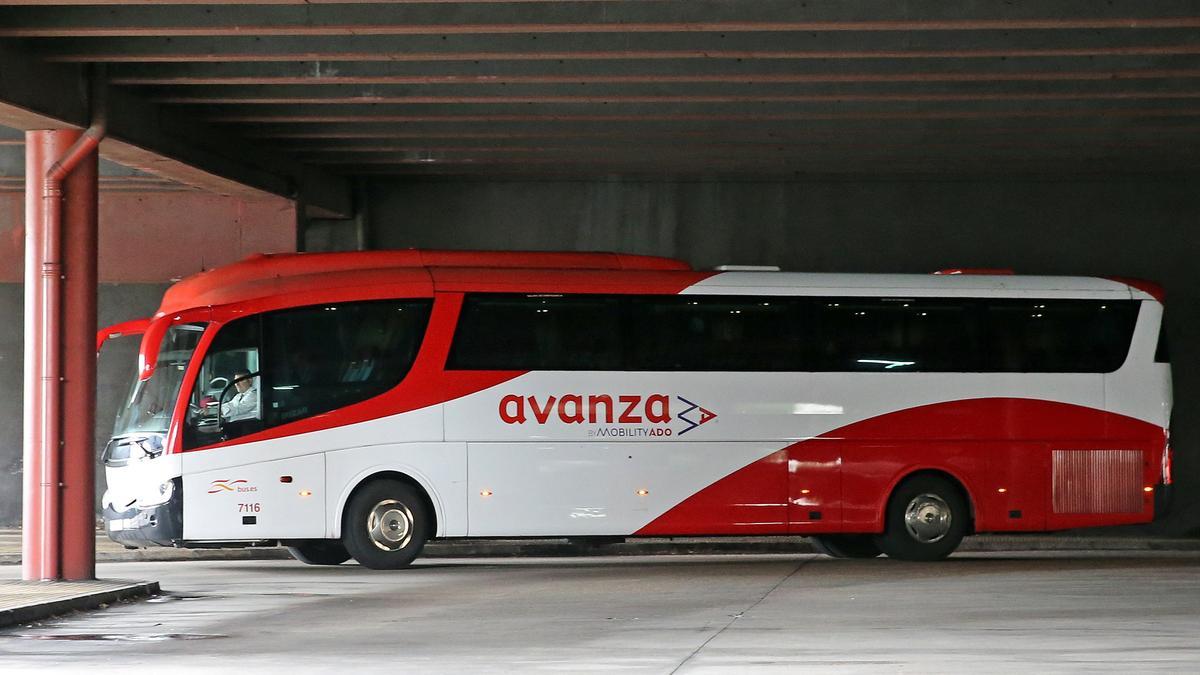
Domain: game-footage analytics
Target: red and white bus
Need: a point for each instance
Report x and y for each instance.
(359, 404)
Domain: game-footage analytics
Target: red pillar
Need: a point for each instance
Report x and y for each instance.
(80, 194)
(60, 288)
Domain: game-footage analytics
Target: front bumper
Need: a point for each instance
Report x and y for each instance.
(138, 527)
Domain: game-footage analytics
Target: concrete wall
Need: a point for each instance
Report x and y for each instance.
(10, 403)
(117, 365)
(1127, 226)
(145, 241)
(155, 237)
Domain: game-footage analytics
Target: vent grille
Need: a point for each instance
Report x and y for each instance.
(1097, 481)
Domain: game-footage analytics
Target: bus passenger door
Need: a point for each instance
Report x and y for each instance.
(815, 486)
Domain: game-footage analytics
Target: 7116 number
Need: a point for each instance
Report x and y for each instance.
(249, 508)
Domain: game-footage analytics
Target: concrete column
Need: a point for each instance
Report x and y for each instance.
(80, 246)
(60, 325)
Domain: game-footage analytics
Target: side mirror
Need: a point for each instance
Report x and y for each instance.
(135, 327)
(151, 343)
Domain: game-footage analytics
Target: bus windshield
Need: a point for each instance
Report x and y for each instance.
(149, 404)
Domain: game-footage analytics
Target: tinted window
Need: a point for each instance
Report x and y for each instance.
(893, 335)
(531, 332)
(270, 369)
(797, 334)
(728, 333)
(226, 401)
(1162, 353)
(582, 332)
(326, 357)
(1065, 336)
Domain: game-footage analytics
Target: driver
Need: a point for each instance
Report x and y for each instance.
(244, 404)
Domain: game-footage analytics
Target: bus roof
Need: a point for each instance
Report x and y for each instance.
(295, 273)
(921, 284)
(225, 282)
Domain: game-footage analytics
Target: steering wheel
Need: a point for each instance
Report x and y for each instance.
(218, 383)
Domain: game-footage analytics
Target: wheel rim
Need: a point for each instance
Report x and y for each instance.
(927, 518)
(390, 525)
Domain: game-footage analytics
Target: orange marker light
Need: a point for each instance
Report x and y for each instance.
(485, 493)
(643, 492)
(1002, 490)
(805, 491)
(306, 493)
(1148, 489)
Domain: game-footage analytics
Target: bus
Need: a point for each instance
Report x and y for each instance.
(356, 405)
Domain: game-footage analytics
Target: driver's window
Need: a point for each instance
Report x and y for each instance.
(227, 399)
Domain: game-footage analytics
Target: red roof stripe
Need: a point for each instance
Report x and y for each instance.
(261, 275)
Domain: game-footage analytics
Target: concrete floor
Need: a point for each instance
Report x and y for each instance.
(767, 613)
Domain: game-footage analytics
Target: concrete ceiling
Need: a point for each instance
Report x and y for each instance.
(289, 96)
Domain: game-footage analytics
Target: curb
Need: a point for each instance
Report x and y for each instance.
(561, 547)
(174, 554)
(82, 601)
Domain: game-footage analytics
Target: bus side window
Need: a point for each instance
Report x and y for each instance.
(227, 401)
(535, 332)
(715, 333)
(895, 335)
(1162, 353)
(1059, 336)
(329, 356)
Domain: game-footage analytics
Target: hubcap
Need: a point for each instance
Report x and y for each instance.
(390, 525)
(927, 518)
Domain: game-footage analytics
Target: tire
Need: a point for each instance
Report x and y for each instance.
(927, 517)
(847, 545)
(320, 552)
(385, 525)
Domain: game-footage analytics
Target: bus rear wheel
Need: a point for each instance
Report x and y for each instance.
(847, 545)
(926, 519)
(320, 552)
(385, 525)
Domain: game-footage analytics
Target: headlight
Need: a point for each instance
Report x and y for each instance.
(164, 493)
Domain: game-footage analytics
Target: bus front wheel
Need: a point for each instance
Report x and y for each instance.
(385, 525)
(926, 519)
(319, 552)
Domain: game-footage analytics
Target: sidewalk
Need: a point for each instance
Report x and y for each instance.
(109, 551)
(26, 601)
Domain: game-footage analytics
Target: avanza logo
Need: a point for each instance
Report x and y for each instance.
(605, 409)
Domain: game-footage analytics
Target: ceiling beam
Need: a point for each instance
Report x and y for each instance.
(358, 115)
(684, 96)
(785, 47)
(743, 168)
(295, 136)
(43, 28)
(161, 142)
(657, 72)
(659, 145)
(693, 16)
(106, 3)
(653, 86)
